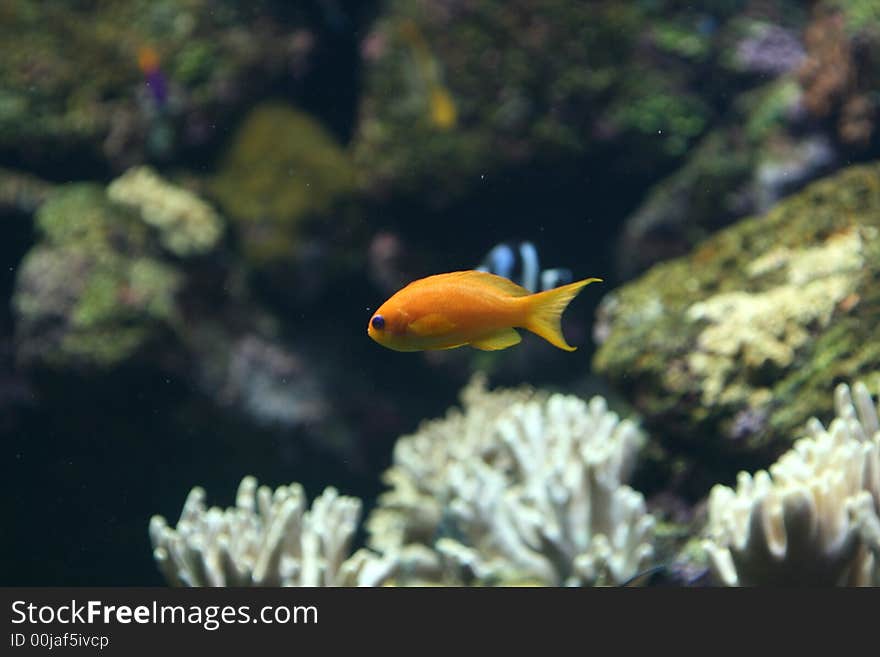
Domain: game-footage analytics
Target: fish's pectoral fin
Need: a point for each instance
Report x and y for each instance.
(431, 325)
(500, 340)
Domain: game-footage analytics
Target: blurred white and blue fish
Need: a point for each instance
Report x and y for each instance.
(520, 264)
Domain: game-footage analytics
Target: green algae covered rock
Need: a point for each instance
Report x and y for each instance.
(455, 90)
(92, 292)
(21, 192)
(282, 174)
(738, 343)
(761, 153)
(73, 81)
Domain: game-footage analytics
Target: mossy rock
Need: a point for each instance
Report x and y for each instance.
(92, 292)
(736, 345)
(759, 154)
(859, 15)
(473, 88)
(72, 83)
(283, 174)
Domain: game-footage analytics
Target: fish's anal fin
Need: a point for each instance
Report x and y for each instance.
(500, 340)
(431, 325)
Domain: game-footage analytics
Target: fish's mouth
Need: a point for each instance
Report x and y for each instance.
(375, 335)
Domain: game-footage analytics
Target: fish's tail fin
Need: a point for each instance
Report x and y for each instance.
(545, 310)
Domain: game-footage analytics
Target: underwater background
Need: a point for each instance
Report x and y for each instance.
(202, 202)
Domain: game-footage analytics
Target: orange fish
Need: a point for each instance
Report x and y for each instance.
(470, 308)
(148, 60)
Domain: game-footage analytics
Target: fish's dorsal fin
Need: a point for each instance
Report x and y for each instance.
(498, 282)
(501, 340)
(431, 325)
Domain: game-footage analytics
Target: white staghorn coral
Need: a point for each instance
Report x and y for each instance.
(561, 514)
(411, 510)
(268, 539)
(866, 571)
(524, 488)
(809, 520)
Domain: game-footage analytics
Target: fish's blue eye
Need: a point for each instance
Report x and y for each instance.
(378, 322)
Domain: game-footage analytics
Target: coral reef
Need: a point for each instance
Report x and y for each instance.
(842, 70)
(281, 179)
(272, 384)
(515, 99)
(522, 487)
(817, 112)
(187, 225)
(766, 49)
(72, 85)
(115, 280)
(517, 487)
(768, 328)
(764, 150)
(734, 344)
(201, 201)
(281, 385)
(267, 539)
(813, 519)
(93, 291)
(411, 511)
(21, 192)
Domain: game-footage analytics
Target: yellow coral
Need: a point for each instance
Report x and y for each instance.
(758, 327)
(186, 224)
(282, 170)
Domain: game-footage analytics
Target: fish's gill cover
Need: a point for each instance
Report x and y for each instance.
(736, 344)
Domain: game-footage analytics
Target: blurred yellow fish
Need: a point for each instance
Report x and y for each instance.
(442, 110)
(470, 308)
